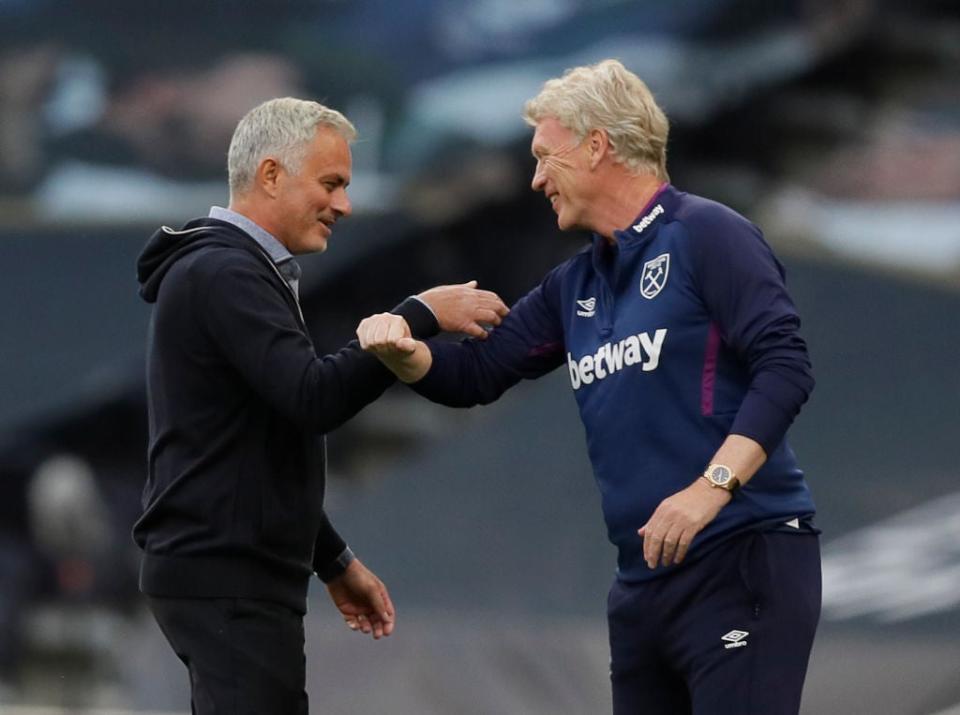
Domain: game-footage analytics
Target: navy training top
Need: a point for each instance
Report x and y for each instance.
(675, 336)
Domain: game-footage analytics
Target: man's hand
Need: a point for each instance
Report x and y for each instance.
(363, 600)
(679, 518)
(388, 337)
(465, 309)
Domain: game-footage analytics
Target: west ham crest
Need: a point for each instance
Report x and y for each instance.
(654, 276)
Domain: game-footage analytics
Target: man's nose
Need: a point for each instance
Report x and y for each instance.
(341, 203)
(539, 179)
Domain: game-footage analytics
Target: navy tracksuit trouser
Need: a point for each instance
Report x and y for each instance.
(728, 634)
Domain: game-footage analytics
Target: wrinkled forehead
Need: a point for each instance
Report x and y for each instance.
(549, 134)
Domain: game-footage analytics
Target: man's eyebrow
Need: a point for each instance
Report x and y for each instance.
(337, 178)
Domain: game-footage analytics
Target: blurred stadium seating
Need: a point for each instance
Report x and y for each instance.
(834, 125)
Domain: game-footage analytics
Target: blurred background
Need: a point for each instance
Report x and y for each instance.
(834, 124)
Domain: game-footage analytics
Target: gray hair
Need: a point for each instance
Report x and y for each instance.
(608, 96)
(281, 128)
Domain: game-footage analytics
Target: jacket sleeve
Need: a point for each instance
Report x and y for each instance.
(527, 344)
(743, 287)
(331, 555)
(247, 316)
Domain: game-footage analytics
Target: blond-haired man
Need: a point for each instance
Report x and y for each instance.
(683, 352)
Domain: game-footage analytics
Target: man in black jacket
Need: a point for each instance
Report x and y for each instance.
(233, 522)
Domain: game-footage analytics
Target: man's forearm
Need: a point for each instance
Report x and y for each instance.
(408, 367)
(743, 455)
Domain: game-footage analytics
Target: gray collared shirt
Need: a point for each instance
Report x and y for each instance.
(281, 257)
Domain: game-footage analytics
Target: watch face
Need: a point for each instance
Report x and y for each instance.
(720, 475)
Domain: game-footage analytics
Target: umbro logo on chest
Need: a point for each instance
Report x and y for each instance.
(587, 308)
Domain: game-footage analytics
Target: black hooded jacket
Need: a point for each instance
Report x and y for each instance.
(238, 403)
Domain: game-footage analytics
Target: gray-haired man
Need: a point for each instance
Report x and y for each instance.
(233, 523)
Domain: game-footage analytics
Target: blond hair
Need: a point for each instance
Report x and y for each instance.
(281, 128)
(608, 96)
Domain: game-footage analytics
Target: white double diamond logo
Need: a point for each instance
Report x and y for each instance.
(588, 307)
(735, 639)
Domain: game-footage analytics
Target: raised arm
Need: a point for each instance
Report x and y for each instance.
(527, 344)
(251, 322)
(464, 308)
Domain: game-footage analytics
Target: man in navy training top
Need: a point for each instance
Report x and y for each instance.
(233, 524)
(683, 352)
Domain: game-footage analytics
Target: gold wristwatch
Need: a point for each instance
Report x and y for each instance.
(721, 477)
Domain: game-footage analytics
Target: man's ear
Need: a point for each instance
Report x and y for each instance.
(598, 144)
(268, 176)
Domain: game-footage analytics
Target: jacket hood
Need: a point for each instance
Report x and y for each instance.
(167, 245)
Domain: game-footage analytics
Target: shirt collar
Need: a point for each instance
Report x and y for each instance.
(277, 251)
(653, 210)
(650, 212)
